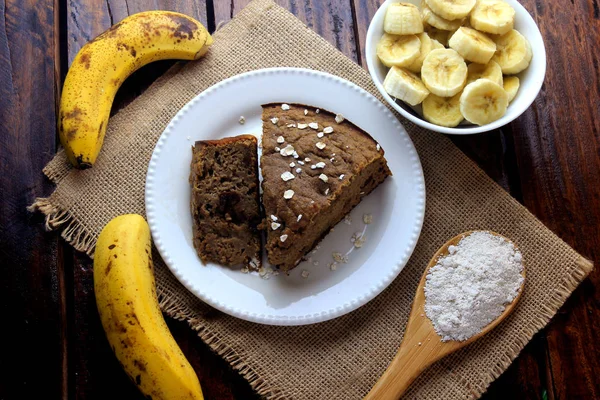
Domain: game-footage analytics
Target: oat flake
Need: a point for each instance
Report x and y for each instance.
(286, 176)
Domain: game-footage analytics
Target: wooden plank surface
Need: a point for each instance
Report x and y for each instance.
(30, 280)
(549, 159)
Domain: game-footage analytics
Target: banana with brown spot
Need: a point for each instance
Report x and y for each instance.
(102, 65)
(128, 307)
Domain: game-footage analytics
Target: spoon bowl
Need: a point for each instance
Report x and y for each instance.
(422, 346)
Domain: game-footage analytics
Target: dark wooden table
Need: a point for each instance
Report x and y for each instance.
(53, 344)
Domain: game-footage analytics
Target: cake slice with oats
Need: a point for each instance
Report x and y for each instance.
(316, 167)
(225, 201)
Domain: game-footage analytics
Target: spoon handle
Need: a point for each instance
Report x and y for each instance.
(416, 353)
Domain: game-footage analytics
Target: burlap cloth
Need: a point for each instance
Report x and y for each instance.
(339, 359)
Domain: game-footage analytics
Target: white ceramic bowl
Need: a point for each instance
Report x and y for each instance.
(530, 80)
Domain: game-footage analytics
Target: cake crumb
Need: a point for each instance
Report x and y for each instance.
(323, 177)
(348, 219)
(316, 263)
(283, 238)
(305, 273)
(288, 194)
(245, 270)
(420, 343)
(359, 240)
(320, 145)
(285, 107)
(367, 218)
(332, 266)
(339, 118)
(339, 257)
(287, 175)
(242, 120)
(274, 120)
(328, 129)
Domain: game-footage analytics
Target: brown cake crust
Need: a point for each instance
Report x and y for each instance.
(225, 201)
(349, 153)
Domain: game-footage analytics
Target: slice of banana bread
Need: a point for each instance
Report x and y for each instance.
(316, 167)
(225, 201)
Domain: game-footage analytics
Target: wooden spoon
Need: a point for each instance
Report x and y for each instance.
(421, 345)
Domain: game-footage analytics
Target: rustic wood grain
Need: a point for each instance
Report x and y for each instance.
(30, 296)
(557, 145)
(332, 19)
(549, 159)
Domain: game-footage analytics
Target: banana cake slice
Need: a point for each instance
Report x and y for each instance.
(226, 202)
(316, 167)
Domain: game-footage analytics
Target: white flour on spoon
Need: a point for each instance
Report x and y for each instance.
(471, 286)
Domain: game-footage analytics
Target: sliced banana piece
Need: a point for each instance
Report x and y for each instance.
(444, 72)
(473, 45)
(511, 85)
(483, 101)
(432, 19)
(443, 111)
(399, 51)
(436, 45)
(513, 52)
(491, 71)
(493, 16)
(426, 47)
(451, 9)
(438, 34)
(402, 19)
(405, 86)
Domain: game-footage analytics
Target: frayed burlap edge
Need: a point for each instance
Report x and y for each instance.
(70, 229)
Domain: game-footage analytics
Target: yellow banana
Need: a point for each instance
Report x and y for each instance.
(128, 307)
(104, 63)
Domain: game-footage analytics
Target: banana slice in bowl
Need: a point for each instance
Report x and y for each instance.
(496, 40)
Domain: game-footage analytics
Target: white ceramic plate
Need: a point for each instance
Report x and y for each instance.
(397, 206)
(531, 79)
